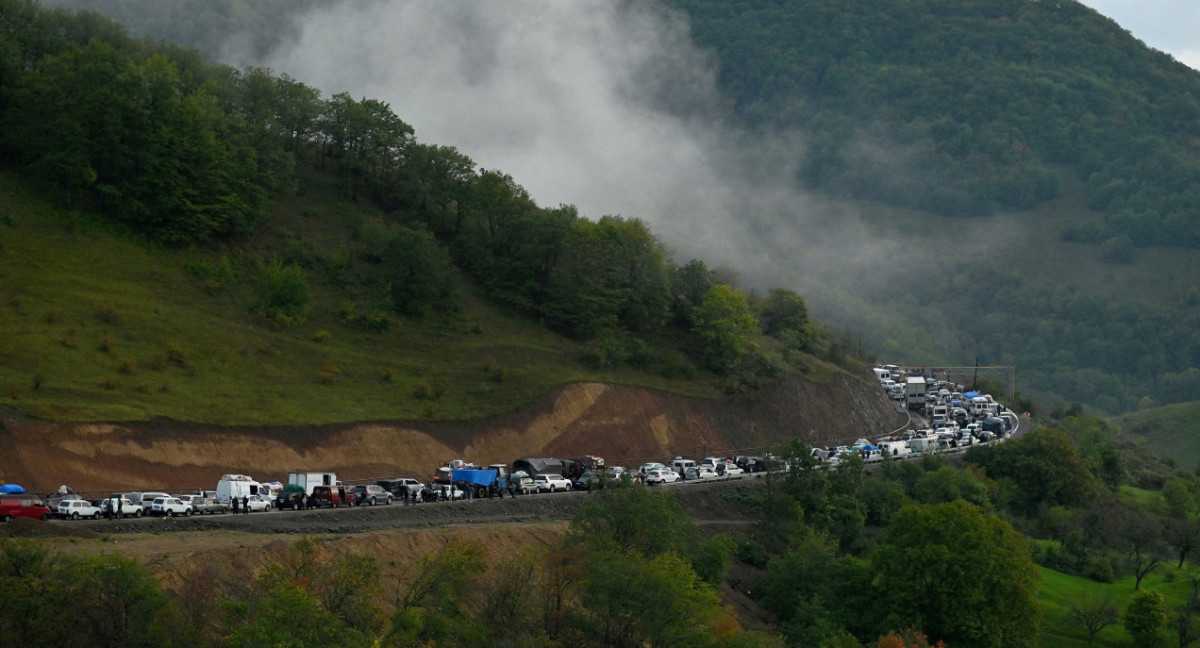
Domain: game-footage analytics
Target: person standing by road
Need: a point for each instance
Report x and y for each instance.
(120, 508)
(245, 504)
(233, 505)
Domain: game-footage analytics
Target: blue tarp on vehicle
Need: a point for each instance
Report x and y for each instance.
(11, 489)
(479, 477)
(970, 395)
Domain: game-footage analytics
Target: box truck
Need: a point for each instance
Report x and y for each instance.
(309, 480)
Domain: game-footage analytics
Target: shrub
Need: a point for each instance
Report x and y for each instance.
(282, 292)
(321, 336)
(1118, 249)
(330, 373)
(105, 313)
(105, 344)
(127, 365)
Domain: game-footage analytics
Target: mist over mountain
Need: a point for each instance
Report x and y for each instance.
(956, 181)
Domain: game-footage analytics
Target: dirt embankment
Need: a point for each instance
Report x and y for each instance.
(626, 425)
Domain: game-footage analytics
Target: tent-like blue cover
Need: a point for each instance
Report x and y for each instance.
(10, 489)
(970, 395)
(480, 477)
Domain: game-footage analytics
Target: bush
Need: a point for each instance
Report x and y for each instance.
(282, 292)
(1118, 249)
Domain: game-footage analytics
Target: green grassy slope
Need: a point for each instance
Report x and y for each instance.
(1169, 432)
(97, 327)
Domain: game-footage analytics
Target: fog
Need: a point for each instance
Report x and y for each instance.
(603, 104)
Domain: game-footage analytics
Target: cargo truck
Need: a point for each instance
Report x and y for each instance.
(310, 480)
(915, 392)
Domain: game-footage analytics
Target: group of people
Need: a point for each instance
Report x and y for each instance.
(245, 504)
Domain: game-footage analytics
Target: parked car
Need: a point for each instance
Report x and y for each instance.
(447, 492)
(732, 470)
(117, 505)
(210, 505)
(526, 485)
(146, 500)
(371, 494)
(170, 507)
(256, 504)
(331, 496)
(78, 508)
(662, 476)
(653, 465)
(587, 481)
(23, 505)
(551, 483)
(700, 472)
(617, 472)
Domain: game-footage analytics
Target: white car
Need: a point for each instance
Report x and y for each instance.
(256, 503)
(701, 472)
(170, 506)
(75, 509)
(733, 470)
(552, 483)
(647, 467)
(662, 476)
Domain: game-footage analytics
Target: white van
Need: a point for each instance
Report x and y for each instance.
(680, 465)
(238, 486)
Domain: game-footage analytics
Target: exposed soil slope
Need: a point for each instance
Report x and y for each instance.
(625, 425)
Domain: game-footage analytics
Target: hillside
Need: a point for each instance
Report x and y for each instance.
(1030, 164)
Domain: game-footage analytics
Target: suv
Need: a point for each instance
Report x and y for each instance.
(170, 506)
(77, 508)
(371, 494)
(662, 476)
(552, 483)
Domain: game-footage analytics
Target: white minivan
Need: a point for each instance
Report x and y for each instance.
(680, 465)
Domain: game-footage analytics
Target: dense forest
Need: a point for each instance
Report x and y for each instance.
(979, 99)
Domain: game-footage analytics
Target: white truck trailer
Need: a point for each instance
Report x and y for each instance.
(914, 391)
(310, 480)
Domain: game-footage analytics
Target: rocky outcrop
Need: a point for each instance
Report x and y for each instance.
(626, 425)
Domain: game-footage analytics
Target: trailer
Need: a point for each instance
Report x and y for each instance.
(915, 392)
(309, 480)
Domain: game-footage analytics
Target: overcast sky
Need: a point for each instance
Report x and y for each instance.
(1172, 26)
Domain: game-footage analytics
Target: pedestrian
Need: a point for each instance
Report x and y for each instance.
(121, 508)
(233, 505)
(245, 504)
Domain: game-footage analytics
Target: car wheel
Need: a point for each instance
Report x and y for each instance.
(8, 518)
(568, 487)
(96, 515)
(75, 515)
(45, 517)
(137, 514)
(372, 501)
(187, 513)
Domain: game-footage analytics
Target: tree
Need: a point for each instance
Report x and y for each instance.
(1039, 468)
(658, 602)
(961, 574)
(418, 272)
(724, 324)
(784, 316)
(1094, 615)
(1146, 618)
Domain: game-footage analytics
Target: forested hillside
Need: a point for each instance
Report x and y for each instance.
(945, 125)
(307, 209)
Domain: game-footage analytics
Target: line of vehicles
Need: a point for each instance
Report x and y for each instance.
(957, 419)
